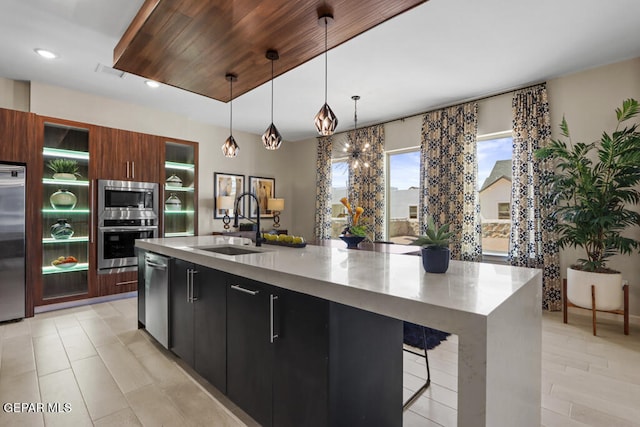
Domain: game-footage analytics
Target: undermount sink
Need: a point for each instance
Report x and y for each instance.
(227, 250)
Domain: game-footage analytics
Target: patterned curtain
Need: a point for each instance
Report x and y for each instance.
(532, 241)
(366, 185)
(323, 189)
(448, 170)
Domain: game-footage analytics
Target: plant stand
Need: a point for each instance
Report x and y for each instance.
(624, 312)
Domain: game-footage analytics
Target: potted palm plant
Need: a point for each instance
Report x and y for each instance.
(435, 247)
(590, 192)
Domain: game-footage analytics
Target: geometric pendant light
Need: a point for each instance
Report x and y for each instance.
(325, 121)
(230, 148)
(271, 138)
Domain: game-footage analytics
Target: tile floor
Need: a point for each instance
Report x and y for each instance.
(111, 374)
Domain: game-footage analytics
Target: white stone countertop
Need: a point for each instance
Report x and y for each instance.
(390, 284)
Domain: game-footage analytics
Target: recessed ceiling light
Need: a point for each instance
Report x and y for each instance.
(151, 83)
(45, 53)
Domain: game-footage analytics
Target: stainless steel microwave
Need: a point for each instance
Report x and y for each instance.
(127, 200)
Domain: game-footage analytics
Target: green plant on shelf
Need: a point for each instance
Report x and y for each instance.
(69, 166)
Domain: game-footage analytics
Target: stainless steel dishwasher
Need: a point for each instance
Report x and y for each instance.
(156, 286)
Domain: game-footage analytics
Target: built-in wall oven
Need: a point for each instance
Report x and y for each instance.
(126, 211)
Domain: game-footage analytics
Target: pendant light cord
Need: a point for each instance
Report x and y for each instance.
(355, 115)
(231, 106)
(326, 77)
(272, 91)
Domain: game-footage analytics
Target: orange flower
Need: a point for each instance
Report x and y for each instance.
(346, 204)
(356, 217)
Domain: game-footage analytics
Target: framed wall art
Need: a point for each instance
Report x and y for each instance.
(226, 189)
(264, 189)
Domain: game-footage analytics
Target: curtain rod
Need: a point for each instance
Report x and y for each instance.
(464, 101)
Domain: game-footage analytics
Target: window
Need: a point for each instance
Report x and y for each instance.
(413, 211)
(494, 190)
(504, 210)
(403, 195)
(339, 183)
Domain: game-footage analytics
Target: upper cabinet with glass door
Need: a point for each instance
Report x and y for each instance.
(180, 189)
(66, 212)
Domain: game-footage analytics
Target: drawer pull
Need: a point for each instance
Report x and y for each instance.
(246, 291)
(129, 282)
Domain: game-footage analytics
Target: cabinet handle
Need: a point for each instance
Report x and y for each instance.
(154, 265)
(188, 285)
(129, 282)
(193, 298)
(272, 334)
(127, 176)
(241, 289)
(133, 169)
(92, 210)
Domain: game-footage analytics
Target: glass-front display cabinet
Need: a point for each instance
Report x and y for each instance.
(66, 212)
(180, 190)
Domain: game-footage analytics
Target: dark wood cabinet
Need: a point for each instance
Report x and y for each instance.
(250, 351)
(198, 319)
(294, 359)
(117, 283)
(115, 154)
(301, 371)
(365, 371)
(127, 156)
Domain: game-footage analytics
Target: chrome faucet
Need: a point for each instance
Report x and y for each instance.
(235, 215)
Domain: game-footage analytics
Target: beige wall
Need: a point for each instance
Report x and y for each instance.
(253, 158)
(14, 95)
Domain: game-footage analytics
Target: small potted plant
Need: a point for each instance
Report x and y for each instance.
(64, 169)
(435, 247)
(590, 192)
(356, 231)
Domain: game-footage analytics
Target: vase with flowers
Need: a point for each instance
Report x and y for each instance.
(356, 229)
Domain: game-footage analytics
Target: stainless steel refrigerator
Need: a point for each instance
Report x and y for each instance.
(12, 241)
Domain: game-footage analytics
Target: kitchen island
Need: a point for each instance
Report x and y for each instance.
(495, 310)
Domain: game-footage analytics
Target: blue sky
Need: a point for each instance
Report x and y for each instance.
(490, 151)
(404, 168)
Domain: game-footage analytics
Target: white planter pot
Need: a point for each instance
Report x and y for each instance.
(609, 295)
(64, 175)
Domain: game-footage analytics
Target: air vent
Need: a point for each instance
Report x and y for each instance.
(110, 71)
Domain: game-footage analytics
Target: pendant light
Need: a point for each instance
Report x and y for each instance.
(230, 148)
(325, 120)
(271, 138)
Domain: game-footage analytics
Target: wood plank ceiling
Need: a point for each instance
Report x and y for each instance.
(193, 44)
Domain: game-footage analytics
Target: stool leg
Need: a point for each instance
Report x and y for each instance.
(593, 307)
(427, 383)
(626, 309)
(564, 300)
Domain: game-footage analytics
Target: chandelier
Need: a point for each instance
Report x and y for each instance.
(358, 153)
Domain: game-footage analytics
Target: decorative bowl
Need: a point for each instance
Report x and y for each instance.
(65, 265)
(352, 241)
